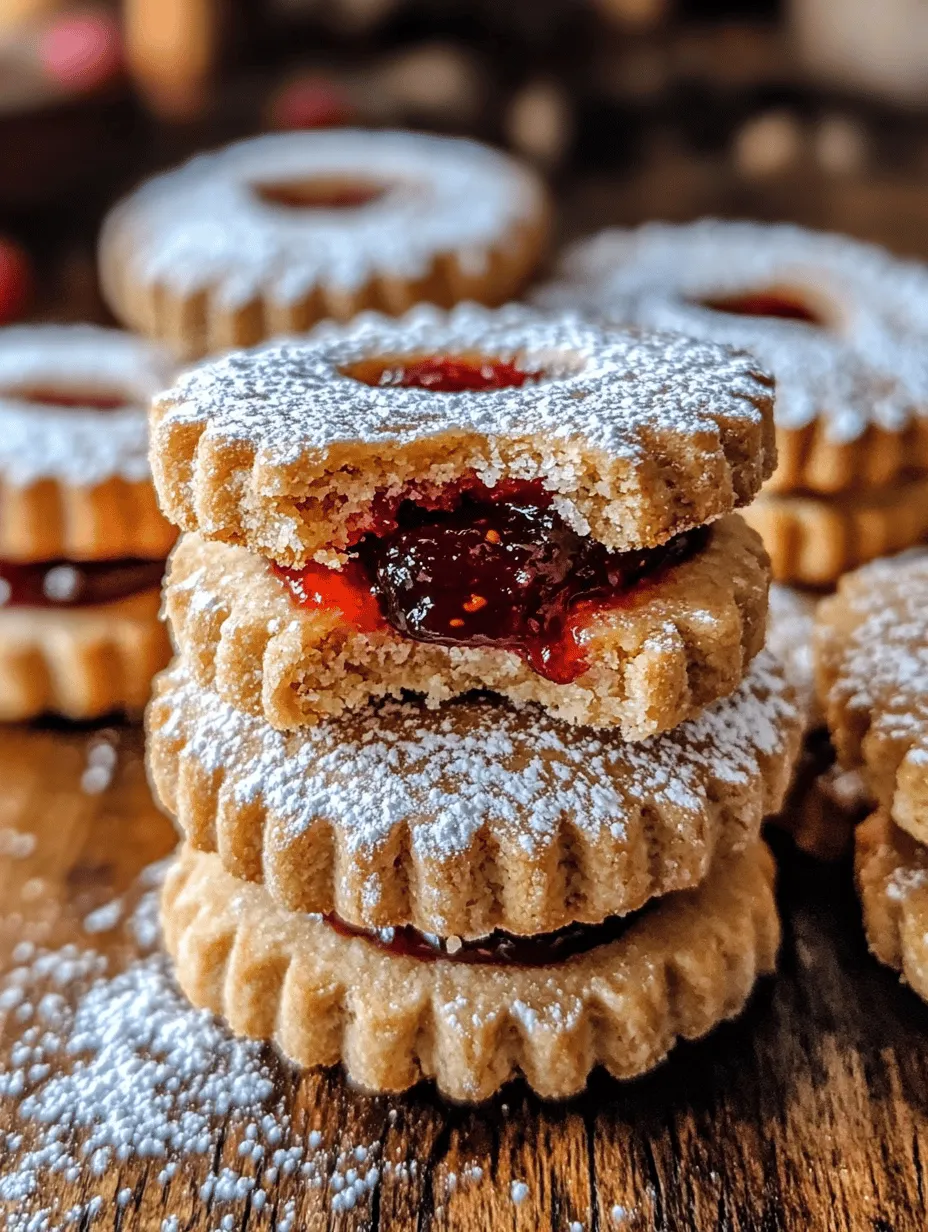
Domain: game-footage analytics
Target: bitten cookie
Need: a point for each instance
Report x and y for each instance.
(475, 816)
(892, 878)
(872, 677)
(269, 236)
(643, 664)
(840, 324)
(300, 449)
(395, 1007)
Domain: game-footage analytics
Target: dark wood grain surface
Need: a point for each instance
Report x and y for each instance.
(809, 1112)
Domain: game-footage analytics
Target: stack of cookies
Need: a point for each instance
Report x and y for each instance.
(872, 675)
(471, 731)
(842, 327)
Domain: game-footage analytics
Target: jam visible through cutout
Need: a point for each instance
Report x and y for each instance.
(465, 570)
(71, 398)
(322, 193)
(499, 948)
(442, 374)
(786, 305)
(66, 583)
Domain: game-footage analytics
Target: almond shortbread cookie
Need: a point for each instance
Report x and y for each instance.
(892, 878)
(74, 475)
(813, 540)
(841, 325)
(475, 816)
(651, 661)
(273, 234)
(394, 1008)
(301, 449)
(872, 677)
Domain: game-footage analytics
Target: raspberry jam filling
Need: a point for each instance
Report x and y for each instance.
(322, 193)
(499, 948)
(70, 399)
(508, 574)
(442, 374)
(782, 304)
(67, 583)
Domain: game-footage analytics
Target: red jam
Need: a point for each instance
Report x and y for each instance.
(505, 575)
(442, 374)
(450, 375)
(66, 583)
(764, 304)
(324, 193)
(499, 948)
(95, 400)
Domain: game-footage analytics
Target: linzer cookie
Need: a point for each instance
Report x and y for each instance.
(480, 499)
(299, 449)
(273, 234)
(395, 1006)
(872, 675)
(82, 541)
(475, 816)
(663, 649)
(892, 878)
(840, 324)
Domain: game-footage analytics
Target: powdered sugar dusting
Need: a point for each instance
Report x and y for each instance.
(110, 1067)
(867, 365)
(608, 389)
(882, 662)
(74, 445)
(448, 773)
(204, 225)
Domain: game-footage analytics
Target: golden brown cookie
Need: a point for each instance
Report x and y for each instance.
(676, 970)
(81, 662)
(813, 540)
(301, 449)
(872, 677)
(892, 878)
(841, 325)
(671, 647)
(74, 476)
(474, 816)
(271, 235)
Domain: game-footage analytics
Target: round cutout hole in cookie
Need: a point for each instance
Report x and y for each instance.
(778, 302)
(71, 398)
(322, 193)
(469, 372)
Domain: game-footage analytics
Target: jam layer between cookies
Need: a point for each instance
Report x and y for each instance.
(68, 584)
(466, 565)
(500, 948)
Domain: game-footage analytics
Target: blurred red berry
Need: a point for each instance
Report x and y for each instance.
(82, 51)
(311, 102)
(15, 281)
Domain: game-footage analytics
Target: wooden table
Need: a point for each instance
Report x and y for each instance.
(810, 1112)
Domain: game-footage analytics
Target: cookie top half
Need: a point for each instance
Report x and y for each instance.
(302, 447)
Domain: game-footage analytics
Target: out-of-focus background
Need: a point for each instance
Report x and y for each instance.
(811, 110)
